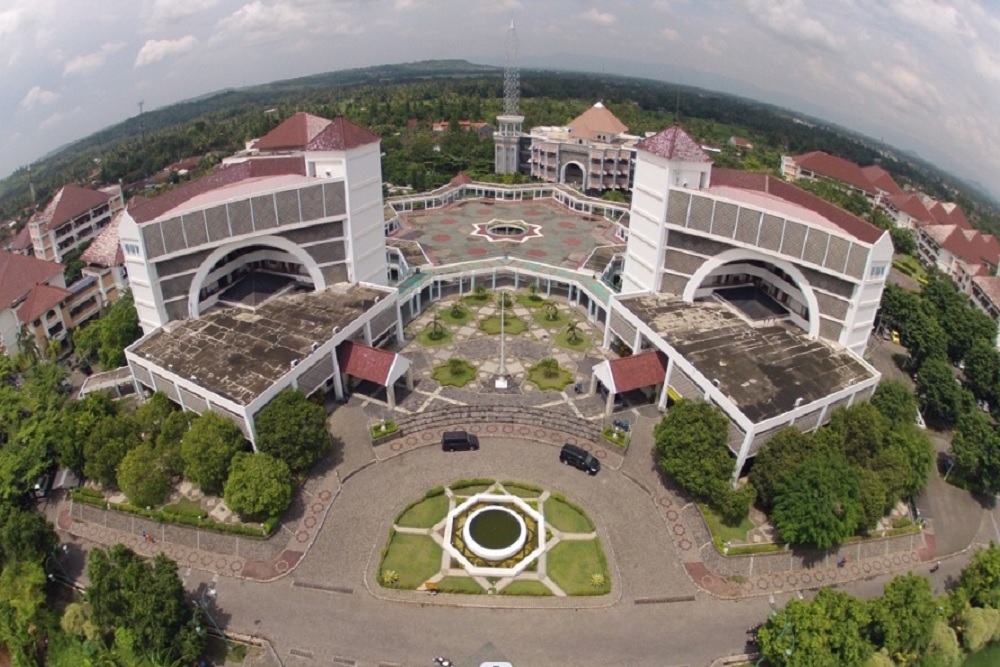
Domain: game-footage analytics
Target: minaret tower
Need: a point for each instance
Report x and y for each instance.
(509, 122)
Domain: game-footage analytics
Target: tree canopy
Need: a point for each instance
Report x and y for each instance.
(819, 503)
(259, 485)
(293, 429)
(208, 448)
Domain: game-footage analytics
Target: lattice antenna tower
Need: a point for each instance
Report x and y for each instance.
(511, 75)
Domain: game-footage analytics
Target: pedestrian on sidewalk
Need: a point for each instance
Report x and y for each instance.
(937, 566)
(145, 537)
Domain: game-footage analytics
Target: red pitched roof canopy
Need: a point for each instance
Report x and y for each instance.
(307, 132)
(365, 362)
(674, 143)
(40, 300)
(836, 168)
(106, 249)
(598, 119)
(69, 202)
(638, 370)
(881, 179)
(19, 274)
(911, 205)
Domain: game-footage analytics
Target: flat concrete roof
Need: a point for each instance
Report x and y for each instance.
(238, 353)
(763, 370)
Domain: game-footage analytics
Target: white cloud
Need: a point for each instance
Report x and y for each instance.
(155, 50)
(932, 16)
(171, 11)
(260, 20)
(790, 19)
(406, 4)
(9, 21)
(89, 62)
(37, 97)
(670, 33)
(601, 18)
(54, 119)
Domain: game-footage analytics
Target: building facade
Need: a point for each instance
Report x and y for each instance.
(73, 218)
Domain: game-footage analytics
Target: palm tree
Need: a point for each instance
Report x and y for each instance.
(457, 311)
(551, 312)
(503, 300)
(549, 367)
(456, 366)
(533, 291)
(573, 332)
(437, 330)
(480, 292)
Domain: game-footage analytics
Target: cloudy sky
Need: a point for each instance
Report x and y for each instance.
(923, 75)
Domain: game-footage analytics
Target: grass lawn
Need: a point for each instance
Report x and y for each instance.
(910, 266)
(541, 318)
(521, 491)
(561, 380)
(988, 657)
(425, 339)
(572, 563)
(466, 585)
(512, 325)
(471, 490)
(526, 588)
(721, 530)
(424, 514)
(529, 301)
(186, 506)
(581, 343)
(415, 558)
(442, 375)
(448, 315)
(615, 436)
(565, 518)
(476, 301)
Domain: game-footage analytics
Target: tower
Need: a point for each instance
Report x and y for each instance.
(508, 132)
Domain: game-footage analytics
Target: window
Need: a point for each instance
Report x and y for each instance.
(878, 270)
(131, 249)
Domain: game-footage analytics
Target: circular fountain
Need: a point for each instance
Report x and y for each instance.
(494, 533)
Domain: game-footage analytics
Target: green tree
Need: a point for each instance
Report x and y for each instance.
(549, 367)
(783, 454)
(924, 338)
(168, 444)
(895, 401)
(208, 448)
(81, 418)
(862, 430)
(691, 442)
(292, 429)
(259, 485)
(143, 477)
(943, 650)
(25, 535)
(940, 394)
(828, 631)
(22, 611)
(903, 618)
(152, 414)
(109, 442)
(982, 370)
(903, 241)
(874, 497)
(975, 447)
(979, 626)
(819, 504)
(980, 579)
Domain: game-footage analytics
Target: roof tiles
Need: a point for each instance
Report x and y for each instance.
(40, 300)
(69, 202)
(674, 143)
(19, 274)
(638, 370)
(365, 362)
(836, 168)
(307, 132)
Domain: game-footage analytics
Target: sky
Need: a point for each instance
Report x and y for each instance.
(922, 75)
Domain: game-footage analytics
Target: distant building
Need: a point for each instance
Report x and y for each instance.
(959, 253)
(740, 143)
(817, 164)
(73, 218)
(985, 295)
(20, 243)
(593, 153)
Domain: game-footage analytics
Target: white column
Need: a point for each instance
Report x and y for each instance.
(741, 458)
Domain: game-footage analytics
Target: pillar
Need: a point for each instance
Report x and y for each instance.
(593, 385)
(400, 337)
(609, 404)
(409, 378)
(665, 395)
(368, 332)
(338, 380)
(390, 395)
(741, 458)
(637, 342)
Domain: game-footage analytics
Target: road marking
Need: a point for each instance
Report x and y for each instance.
(344, 661)
(323, 587)
(666, 599)
(299, 653)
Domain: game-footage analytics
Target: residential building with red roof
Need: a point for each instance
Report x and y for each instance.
(907, 210)
(73, 218)
(593, 152)
(958, 252)
(984, 294)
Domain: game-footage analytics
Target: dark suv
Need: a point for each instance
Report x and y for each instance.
(453, 441)
(579, 458)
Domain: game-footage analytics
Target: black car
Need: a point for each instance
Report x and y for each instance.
(579, 458)
(453, 441)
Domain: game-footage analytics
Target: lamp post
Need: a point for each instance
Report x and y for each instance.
(60, 577)
(501, 381)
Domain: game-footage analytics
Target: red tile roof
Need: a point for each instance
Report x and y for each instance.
(968, 245)
(19, 274)
(598, 119)
(851, 224)
(106, 249)
(22, 241)
(882, 179)
(639, 370)
(674, 143)
(911, 205)
(143, 210)
(306, 132)
(460, 179)
(990, 285)
(739, 141)
(40, 300)
(836, 168)
(365, 362)
(69, 202)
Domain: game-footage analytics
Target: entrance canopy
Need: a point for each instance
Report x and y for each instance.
(371, 363)
(634, 372)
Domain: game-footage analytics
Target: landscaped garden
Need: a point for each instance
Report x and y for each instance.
(436, 535)
(455, 372)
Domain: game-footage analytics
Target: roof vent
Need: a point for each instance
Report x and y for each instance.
(295, 362)
(313, 347)
(718, 385)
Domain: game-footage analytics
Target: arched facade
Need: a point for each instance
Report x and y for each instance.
(296, 252)
(569, 171)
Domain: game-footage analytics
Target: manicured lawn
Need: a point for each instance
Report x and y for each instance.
(448, 315)
(471, 490)
(415, 558)
(988, 657)
(910, 266)
(185, 506)
(556, 383)
(512, 325)
(425, 514)
(721, 530)
(466, 585)
(542, 319)
(581, 343)
(615, 436)
(565, 518)
(572, 563)
(526, 588)
(521, 491)
(442, 375)
(529, 301)
(476, 301)
(426, 339)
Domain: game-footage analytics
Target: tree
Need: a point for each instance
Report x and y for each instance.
(691, 441)
(903, 618)
(785, 451)
(259, 485)
(25, 535)
(143, 477)
(862, 430)
(913, 447)
(939, 391)
(979, 626)
(109, 442)
(980, 579)
(903, 241)
(819, 504)
(573, 332)
(22, 608)
(208, 448)
(168, 444)
(874, 497)
(437, 330)
(895, 401)
(943, 650)
(81, 418)
(982, 370)
(551, 312)
(292, 429)
(975, 447)
(119, 329)
(923, 337)
(828, 631)
(152, 414)
(549, 367)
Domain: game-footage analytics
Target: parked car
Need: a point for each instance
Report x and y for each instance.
(453, 441)
(580, 459)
